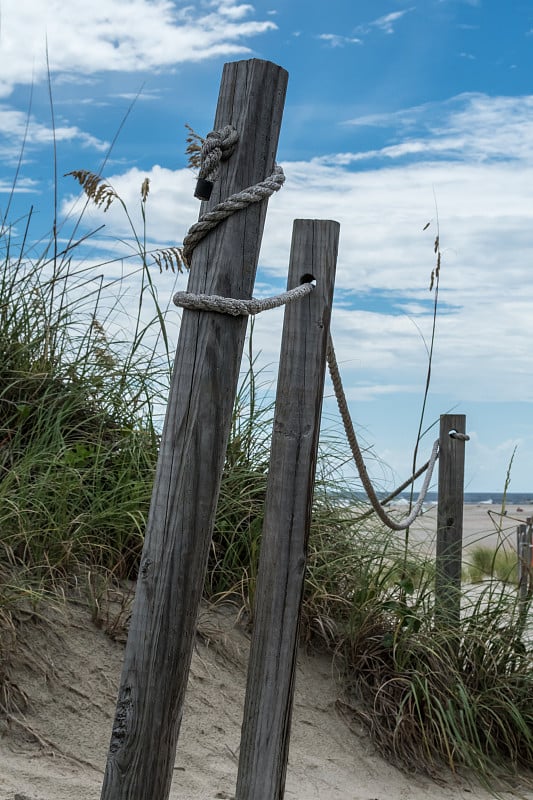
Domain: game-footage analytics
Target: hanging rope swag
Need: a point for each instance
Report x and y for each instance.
(217, 147)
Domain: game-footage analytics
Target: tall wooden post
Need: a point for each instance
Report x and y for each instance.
(272, 667)
(450, 519)
(204, 383)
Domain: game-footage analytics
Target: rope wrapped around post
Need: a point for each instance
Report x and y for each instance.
(217, 147)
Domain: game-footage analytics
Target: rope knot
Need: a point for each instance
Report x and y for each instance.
(217, 147)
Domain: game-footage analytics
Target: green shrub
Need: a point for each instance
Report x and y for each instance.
(487, 562)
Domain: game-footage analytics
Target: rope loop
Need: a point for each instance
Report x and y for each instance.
(462, 437)
(230, 305)
(217, 147)
(391, 523)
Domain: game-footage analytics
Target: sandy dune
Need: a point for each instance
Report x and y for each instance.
(70, 672)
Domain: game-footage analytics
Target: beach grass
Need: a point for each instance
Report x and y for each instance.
(485, 562)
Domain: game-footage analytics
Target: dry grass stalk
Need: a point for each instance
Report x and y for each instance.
(170, 258)
(96, 189)
(194, 148)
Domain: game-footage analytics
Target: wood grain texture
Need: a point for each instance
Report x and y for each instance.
(450, 520)
(204, 383)
(271, 673)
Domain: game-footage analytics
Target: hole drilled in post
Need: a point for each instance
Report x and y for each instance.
(308, 278)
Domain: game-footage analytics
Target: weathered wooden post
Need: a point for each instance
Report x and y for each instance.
(272, 667)
(204, 382)
(452, 439)
(524, 536)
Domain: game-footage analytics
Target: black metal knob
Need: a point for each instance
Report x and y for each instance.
(203, 189)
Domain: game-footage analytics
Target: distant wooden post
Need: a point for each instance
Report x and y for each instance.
(204, 383)
(272, 667)
(450, 519)
(525, 559)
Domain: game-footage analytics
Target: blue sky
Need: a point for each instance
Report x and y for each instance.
(396, 113)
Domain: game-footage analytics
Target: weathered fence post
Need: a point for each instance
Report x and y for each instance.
(271, 671)
(450, 519)
(524, 536)
(204, 382)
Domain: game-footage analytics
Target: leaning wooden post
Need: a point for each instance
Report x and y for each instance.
(450, 519)
(272, 667)
(204, 382)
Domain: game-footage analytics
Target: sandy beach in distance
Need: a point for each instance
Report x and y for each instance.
(483, 524)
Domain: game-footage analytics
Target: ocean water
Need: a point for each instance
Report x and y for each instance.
(486, 498)
(512, 499)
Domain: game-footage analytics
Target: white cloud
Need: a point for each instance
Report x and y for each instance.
(503, 130)
(385, 23)
(336, 40)
(485, 223)
(15, 126)
(228, 8)
(23, 186)
(117, 35)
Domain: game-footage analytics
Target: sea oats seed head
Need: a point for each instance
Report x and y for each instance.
(145, 189)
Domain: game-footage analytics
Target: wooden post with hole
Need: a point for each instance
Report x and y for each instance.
(204, 383)
(450, 519)
(272, 667)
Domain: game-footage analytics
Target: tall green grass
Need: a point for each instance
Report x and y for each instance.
(433, 696)
(498, 563)
(77, 438)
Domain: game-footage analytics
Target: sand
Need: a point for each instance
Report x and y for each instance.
(70, 669)
(482, 525)
(56, 749)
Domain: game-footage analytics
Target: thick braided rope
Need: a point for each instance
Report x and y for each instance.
(235, 202)
(395, 525)
(229, 305)
(217, 146)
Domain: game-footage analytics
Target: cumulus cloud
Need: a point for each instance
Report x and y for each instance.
(383, 308)
(22, 186)
(86, 38)
(17, 126)
(484, 218)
